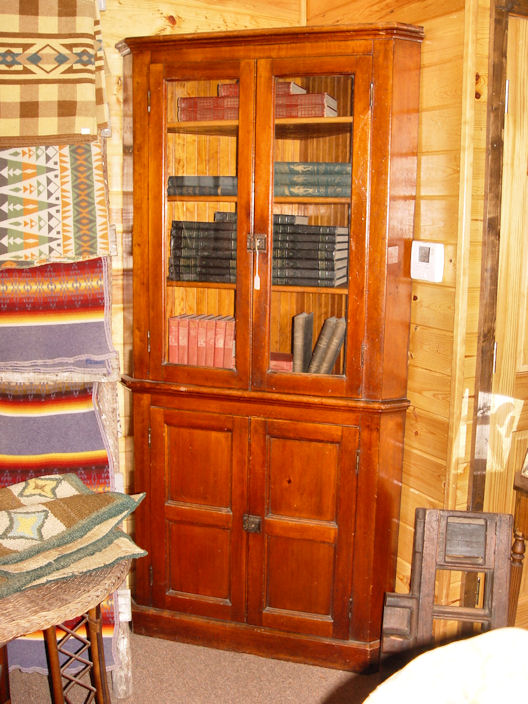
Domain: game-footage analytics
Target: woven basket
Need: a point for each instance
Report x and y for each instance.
(48, 605)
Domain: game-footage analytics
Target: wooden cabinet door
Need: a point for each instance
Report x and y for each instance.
(198, 496)
(303, 489)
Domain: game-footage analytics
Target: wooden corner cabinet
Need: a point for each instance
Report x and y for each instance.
(274, 186)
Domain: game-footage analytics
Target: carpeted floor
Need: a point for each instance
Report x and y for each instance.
(165, 672)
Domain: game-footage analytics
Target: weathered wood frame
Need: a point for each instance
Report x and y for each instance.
(499, 18)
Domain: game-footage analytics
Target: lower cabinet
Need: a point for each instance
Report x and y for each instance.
(252, 530)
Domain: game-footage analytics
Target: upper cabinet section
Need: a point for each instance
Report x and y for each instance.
(273, 209)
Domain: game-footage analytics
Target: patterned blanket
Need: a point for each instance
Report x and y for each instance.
(53, 205)
(55, 428)
(55, 323)
(53, 527)
(52, 85)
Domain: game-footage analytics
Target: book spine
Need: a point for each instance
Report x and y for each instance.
(307, 273)
(321, 345)
(201, 190)
(208, 108)
(334, 346)
(303, 230)
(306, 100)
(315, 283)
(173, 340)
(315, 249)
(201, 340)
(229, 344)
(199, 263)
(210, 327)
(306, 179)
(208, 181)
(278, 218)
(281, 361)
(192, 354)
(202, 225)
(220, 330)
(296, 258)
(313, 167)
(302, 341)
(205, 250)
(315, 190)
(183, 339)
(202, 276)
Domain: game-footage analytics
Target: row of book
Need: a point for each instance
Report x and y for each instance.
(202, 340)
(303, 254)
(290, 101)
(326, 351)
(300, 179)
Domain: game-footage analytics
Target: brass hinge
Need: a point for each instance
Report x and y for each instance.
(357, 461)
(350, 606)
(371, 95)
(148, 340)
(151, 576)
(149, 435)
(148, 101)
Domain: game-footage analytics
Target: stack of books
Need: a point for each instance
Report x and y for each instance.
(313, 178)
(291, 100)
(203, 251)
(202, 340)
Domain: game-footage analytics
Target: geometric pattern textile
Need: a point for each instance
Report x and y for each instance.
(52, 82)
(55, 323)
(53, 204)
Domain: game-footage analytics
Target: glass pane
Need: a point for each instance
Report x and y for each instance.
(311, 223)
(201, 223)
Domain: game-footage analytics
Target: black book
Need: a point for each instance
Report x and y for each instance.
(229, 277)
(307, 272)
(302, 341)
(187, 264)
(227, 216)
(202, 226)
(282, 228)
(316, 283)
(312, 167)
(295, 257)
(204, 250)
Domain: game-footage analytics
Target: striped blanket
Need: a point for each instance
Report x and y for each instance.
(52, 84)
(54, 428)
(53, 205)
(55, 323)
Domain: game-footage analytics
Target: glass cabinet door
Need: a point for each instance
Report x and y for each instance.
(195, 274)
(317, 234)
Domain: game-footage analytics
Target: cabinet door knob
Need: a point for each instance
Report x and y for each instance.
(251, 524)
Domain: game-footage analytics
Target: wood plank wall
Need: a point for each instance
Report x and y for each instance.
(449, 208)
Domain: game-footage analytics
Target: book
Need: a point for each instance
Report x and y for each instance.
(280, 88)
(281, 228)
(327, 283)
(219, 342)
(229, 278)
(183, 339)
(173, 339)
(312, 167)
(319, 190)
(210, 328)
(281, 361)
(305, 105)
(229, 344)
(315, 249)
(278, 218)
(206, 263)
(321, 345)
(221, 190)
(312, 257)
(302, 341)
(223, 185)
(201, 339)
(335, 343)
(290, 272)
(203, 225)
(341, 180)
(204, 249)
(208, 108)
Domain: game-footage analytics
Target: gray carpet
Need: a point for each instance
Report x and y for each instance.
(166, 672)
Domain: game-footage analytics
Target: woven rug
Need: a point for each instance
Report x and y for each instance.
(55, 323)
(53, 205)
(52, 85)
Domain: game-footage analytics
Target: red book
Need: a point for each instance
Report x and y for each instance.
(208, 108)
(200, 339)
(173, 340)
(183, 339)
(281, 87)
(307, 105)
(192, 356)
(229, 343)
(220, 329)
(210, 326)
(281, 361)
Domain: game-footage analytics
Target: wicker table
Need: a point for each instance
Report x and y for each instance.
(44, 608)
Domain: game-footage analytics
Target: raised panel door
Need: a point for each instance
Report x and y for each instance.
(302, 486)
(198, 486)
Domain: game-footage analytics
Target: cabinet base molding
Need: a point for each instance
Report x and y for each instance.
(352, 656)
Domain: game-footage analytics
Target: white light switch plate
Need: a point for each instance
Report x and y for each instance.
(427, 261)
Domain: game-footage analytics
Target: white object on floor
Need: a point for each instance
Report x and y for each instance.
(485, 669)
